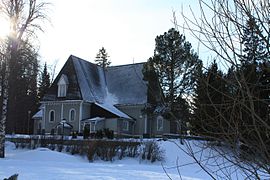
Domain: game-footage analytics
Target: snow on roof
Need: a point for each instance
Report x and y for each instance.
(111, 108)
(38, 115)
(65, 124)
(95, 119)
(89, 79)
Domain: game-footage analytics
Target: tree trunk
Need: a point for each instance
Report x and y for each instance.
(4, 114)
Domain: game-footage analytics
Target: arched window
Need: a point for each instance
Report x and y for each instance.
(62, 86)
(51, 116)
(72, 114)
(159, 123)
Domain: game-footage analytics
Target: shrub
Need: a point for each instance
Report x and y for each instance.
(51, 147)
(92, 135)
(68, 149)
(59, 147)
(99, 134)
(13, 177)
(75, 149)
(108, 150)
(92, 151)
(52, 132)
(86, 133)
(108, 133)
(152, 152)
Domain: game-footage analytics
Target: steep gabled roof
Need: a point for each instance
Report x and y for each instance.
(73, 92)
(91, 80)
(114, 85)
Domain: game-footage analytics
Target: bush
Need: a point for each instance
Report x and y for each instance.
(92, 135)
(75, 149)
(99, 134)
(52, 132)
(51, 147)
(152, 152)
(13, 177)
(108, 150)
(92, 151)
(108, 133)
(59, 148)
(86, 133)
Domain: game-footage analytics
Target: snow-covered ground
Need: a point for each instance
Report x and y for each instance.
(43, 163)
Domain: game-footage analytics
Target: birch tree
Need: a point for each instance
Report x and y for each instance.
(26, 17)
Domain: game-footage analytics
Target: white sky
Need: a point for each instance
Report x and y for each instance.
(126, 28)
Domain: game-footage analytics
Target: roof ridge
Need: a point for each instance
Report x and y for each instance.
(133, 64)
(80, 59)
(76, 57)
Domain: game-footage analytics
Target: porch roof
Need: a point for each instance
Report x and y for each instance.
(111, 108)
(95, 119)
(65, 124)
(38, 115)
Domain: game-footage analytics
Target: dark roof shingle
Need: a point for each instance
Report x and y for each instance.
(114, 85)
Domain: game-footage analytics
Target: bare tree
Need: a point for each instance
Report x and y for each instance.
(220, 28)
(25, 17)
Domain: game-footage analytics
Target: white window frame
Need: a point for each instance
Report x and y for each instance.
(125, 125)
(51, 111)
(62, 86)
(71, 120)
(160, 123)
(62, 90)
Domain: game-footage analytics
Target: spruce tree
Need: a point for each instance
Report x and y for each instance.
(23, 89)
(209, 101)
(44, 82)
(254, 69)
(102, 58)
(255, 50)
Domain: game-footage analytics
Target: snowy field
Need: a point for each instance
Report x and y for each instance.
(43, 163)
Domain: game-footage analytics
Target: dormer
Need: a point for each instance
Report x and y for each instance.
(62, 86)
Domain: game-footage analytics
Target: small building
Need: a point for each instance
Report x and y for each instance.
(84, 95)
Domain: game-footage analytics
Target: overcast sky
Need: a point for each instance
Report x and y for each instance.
(126, 28)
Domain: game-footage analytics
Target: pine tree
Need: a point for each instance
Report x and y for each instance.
(155, 95)
(44, 82)
(174, 63)
(102, 58)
